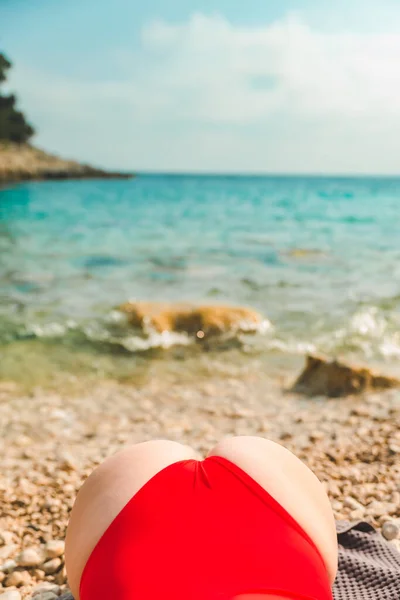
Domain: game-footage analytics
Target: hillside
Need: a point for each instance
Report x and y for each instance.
(23, 162)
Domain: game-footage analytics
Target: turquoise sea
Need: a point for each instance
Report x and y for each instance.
(319, 257)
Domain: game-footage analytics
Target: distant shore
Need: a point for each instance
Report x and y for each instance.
(23, 162)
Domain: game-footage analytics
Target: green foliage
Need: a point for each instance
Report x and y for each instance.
(13, 125)
(4, 66)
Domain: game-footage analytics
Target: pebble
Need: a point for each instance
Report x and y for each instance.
(333, 489)
(7, 551)
(10, 595)
(316, 435)
(15, 579)
(6, 538)
(8, 566)
(61, 576)
(378, 509)
(66, 596)
(46, 596)
(29, 557)
(67, 462)
(51, 566)
(395, 498)
(46, 586)
(390, 531)
(2, 576)
(352, 503)
(55, 548)
(358, 514)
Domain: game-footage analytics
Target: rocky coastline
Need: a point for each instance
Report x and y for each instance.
(23, 162)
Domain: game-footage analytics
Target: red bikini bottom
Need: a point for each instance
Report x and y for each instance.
(204, 530)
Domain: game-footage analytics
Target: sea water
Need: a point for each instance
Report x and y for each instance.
(318, 257)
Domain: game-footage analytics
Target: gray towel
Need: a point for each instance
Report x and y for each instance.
(369, 566)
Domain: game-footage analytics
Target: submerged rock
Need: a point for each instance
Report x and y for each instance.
(333, 378)
(304, 253)
(197, 321)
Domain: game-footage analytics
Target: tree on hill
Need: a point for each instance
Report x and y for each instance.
(13, 125)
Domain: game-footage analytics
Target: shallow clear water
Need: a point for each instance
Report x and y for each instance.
(319, 257)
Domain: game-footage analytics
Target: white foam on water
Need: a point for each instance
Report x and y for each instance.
(164, 340)
(291, 346)
(46, 330)
(368, 322)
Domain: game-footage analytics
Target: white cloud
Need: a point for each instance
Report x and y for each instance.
(209, 95)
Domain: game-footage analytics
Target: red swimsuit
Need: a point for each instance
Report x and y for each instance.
(204, 530)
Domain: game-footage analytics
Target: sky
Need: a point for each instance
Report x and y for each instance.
(210, 85)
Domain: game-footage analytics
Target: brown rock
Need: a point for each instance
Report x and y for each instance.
(333, 378)
(207, 320)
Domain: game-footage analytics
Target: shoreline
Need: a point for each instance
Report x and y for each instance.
(23, 162)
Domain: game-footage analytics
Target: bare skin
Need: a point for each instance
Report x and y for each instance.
(110, 487)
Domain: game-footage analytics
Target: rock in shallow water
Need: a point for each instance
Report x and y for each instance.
(322, 377)
(199, 321)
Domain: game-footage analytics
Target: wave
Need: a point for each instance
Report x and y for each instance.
(370, 333)
(141, 327)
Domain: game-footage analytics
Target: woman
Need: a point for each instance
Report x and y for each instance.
(157, 522)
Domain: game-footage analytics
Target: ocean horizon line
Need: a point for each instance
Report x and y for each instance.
(267, 175)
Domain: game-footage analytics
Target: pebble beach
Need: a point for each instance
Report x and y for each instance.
(52, 440)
